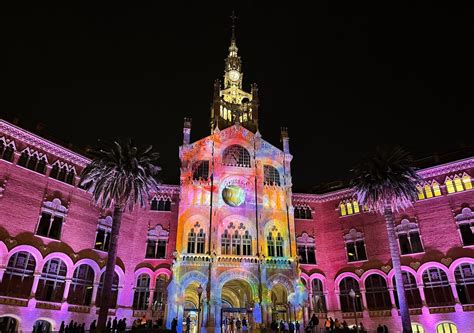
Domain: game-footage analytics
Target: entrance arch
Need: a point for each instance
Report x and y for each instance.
(279, 299)
(9, 324)
(192, 306)
(43, 326)
(238, 303)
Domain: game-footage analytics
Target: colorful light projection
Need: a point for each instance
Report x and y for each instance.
(233, 195)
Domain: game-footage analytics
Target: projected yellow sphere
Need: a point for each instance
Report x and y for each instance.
(233, 195)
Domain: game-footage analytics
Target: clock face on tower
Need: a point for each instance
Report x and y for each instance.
(234, 75)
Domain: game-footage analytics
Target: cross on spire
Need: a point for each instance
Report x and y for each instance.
(233, 18)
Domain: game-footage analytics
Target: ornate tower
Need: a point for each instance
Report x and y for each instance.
(235, 243)
(231, 104)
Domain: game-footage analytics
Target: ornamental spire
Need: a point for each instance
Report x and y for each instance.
(233, 44)
(233, 60)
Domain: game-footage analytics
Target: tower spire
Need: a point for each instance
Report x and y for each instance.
(233, 43)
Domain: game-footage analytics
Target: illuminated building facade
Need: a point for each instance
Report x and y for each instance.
(233, 227)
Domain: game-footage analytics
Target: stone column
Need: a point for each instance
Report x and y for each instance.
(67, 286)
(2, 272)
(150, 299)
(364, 300)
(34, 287)
(457, 305)
(49, 167)
(424, 308)
(311, 303)
(95, 289)
(16, 157)
(180, 317)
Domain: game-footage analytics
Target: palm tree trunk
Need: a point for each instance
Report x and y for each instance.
(110, 269)
(392, 241)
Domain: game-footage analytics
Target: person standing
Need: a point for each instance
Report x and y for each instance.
(297, 326)
(92, 326)
(61, 328)
(109, 324)
(188, 324)
(174, 324)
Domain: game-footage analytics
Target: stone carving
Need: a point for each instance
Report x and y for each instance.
(446, 261)
(415, 265)
(386, 268)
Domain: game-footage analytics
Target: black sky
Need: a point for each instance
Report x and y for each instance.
(342, 79)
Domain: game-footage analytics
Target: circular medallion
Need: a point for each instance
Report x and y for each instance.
(233, 195)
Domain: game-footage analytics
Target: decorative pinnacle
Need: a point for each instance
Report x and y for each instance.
(233, 18)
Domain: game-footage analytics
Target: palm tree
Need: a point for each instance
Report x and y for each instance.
(386, 183)
(119, 176)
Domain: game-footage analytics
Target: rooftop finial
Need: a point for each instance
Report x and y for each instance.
(233, 18)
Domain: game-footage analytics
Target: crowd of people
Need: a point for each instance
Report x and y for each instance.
(336, 326)
(113, 326)
(232, 325)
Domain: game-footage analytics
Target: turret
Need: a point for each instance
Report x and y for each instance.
(187, 131)
(285, 139)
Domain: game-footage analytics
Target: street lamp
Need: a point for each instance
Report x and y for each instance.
(352, 294)
(199, 291)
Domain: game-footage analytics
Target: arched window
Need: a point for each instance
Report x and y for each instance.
(6, 149)
(18, 277)
(200, 241)
(160, 296)
(376, 292)
(428, 192)
(142, 293)
(52, 281)
(436, 188)
(63, 172)
(236, 155)
(355, 246)
(303, 212)
(51, 219)
(466, 180)
(33, 160)
(409, 237)
(306, 249)
(114, 292)
(437, 289)
(349, 207)
(270, 245)
(465, 223)
(449, 185)
(412, 292)
(271, 176)
(347, 302)
(417, 328)
(279, 245)
(236, 243)
(319, 299)
(421, 194)
(102, 235)
(446, 327)
(161, 203)
(246, 244)
(342, 207)
(225, 242)
(80, 291)
(156, 243)
(201, 170)
(191, 241)
(464, 275)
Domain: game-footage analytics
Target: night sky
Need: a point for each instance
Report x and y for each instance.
(341, 79)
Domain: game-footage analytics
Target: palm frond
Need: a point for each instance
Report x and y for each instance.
(387, 179)
(121, 174)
